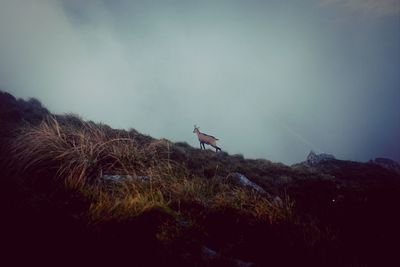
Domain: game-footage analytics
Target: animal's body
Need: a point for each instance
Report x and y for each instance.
(206, 139)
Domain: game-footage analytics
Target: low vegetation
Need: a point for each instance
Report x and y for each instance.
(82, 157)
(122, 196)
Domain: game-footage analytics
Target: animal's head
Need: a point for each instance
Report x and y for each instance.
(196, 129)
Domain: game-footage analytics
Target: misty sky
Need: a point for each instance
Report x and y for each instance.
(270, 79)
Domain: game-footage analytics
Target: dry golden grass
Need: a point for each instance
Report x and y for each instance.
(81, 155)
(255, 204)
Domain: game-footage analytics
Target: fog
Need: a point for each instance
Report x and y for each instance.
(269, 79)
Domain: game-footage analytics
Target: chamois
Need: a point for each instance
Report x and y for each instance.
(206, 139)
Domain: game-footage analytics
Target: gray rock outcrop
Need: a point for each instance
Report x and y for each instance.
(244, 181)
(314, 158)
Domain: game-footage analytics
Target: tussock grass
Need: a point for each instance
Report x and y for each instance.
(80, 153)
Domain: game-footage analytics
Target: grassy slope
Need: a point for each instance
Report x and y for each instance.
(339, 213)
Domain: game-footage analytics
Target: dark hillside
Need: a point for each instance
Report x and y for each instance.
(81, 192)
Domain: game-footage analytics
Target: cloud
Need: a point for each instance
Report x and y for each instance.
(275, 73)
(369, 7)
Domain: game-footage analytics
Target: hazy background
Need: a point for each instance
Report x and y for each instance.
(270, 79)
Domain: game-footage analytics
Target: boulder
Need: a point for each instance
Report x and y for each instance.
(314, 158)
(245, 182)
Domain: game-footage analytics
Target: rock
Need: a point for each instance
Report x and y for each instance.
(277, 201)
(241, 263)
(208, 254)
(143, 178)
(313, 158)
(244, 181)
(387, 164)
(116, 177)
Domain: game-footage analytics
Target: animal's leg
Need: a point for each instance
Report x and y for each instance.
(216, 148)
(201, 145)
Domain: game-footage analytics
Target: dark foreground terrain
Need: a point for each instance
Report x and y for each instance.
(78, 192)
